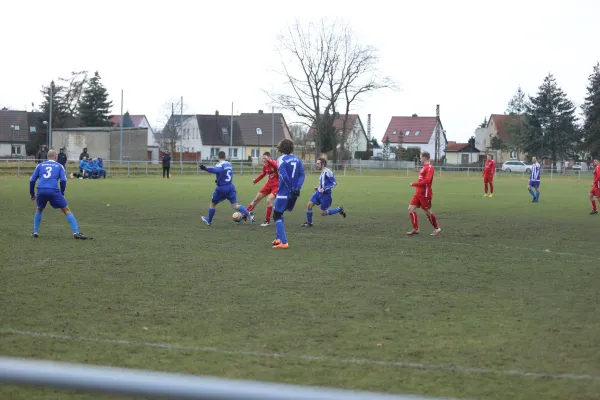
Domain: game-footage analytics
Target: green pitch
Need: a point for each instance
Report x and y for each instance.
(354, 303)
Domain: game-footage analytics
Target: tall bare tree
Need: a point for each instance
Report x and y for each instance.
(302, 142)
(170, 135)
(326, 69)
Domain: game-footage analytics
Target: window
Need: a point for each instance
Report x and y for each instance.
(32, 129)
(16, 150)
(255, 153)
(513, 155)
(17, 128)
(233, 153)
(395, 132)
(417, 133)
(406, 133)
(214, 151)
(224, 130)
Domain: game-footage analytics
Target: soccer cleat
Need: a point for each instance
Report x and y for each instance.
(592, 213)
(35, 235)
(306, 225)
(435, 232)
(486, 195)
(491, 195)
(281, 246)
(252, 219)
(80, 236)
(342, 212)
(266, 223)
(205, 220)
(276, 242)
(413, 232)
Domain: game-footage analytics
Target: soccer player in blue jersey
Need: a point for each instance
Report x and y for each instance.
(291, 179)
(50, 173)
(534, 180)
(322, 195)
(225, 189)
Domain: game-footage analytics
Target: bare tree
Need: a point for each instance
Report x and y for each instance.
(327, 70)
(171, 132)
(302, 142)
(73, 88)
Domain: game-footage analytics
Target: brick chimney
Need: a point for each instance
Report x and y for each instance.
(260, 111)
(217, 112)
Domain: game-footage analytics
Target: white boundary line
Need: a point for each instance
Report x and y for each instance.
(356, 361)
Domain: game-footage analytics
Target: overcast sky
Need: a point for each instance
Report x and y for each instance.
(467, 56)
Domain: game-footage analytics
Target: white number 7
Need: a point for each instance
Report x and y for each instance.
(294, 170)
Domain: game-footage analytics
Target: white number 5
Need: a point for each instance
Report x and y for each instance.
(228, 172)
(294, 170)
(48, 172)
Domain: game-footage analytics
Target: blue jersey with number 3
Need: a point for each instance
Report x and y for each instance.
(291, 174)
(49, 174)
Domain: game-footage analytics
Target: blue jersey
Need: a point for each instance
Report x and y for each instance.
(535, 172)
(224, 172)
(291, 174)
(49, 173)
(327, 180)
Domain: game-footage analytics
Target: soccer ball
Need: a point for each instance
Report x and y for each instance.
(237, 216)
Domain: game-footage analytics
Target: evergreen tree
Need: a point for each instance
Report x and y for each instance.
(517, 105)
(484, 123)
(127, 121)
(95, 107)
(591, 113)
(59, 116)
(514, 124)
(550, 128)
(385, 153)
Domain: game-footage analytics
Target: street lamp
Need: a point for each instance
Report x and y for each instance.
(12, 138)
(47, 134)
(259, 134)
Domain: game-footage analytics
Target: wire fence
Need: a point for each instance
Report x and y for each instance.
(143, 383)
(129, 168)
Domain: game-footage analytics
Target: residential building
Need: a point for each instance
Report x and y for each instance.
(352, 140)
(499, 125)
(139, 121)
(462, 154)
(254, 144)
(14, 135)
(415, 132)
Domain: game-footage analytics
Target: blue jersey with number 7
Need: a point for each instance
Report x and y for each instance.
(49, 174)
(291, 174)
(224, 172)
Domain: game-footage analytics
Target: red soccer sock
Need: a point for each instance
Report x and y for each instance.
(414, 219)
(250, 207)
(486, 188)
(431, 217)
(594, 205)
(268, 214)
(491, 188)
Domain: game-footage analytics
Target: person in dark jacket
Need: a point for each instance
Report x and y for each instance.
(62, 158)
(85, 154)
(42, 154)
(166, 162)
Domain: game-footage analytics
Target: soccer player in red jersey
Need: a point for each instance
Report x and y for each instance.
(269, 189)
(489, 170)
(423, 196)
(595, 192)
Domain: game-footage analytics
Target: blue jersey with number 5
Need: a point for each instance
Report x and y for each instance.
(291, 174)
(224, 172)
(49, 174)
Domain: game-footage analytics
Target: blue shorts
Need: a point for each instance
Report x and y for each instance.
(534, 184)
(56, 199)
(224, 193)
(284, 203)
(323, 200)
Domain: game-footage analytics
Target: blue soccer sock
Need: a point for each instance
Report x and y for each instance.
(309, 216)
(537, 194)
(532, 193)
(37, 221)
(280, 228)
(73, 223)
(243, 210)
(333, 211)
(211, 214)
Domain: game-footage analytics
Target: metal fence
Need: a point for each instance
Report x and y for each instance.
(19, 167)
(141, 383)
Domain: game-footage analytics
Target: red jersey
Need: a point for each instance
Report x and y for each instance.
(597, 177)
(270, 170)
(425, 181)
(490, 168)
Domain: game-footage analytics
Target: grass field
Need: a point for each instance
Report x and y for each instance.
(502, 305)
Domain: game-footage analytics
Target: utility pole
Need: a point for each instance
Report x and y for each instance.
(438, 128)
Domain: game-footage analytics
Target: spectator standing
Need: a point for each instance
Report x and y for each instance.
(62, 158)
(42, 154)
(166, 163)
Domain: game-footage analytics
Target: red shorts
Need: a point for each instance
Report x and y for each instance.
(595, 192)
(488, 179)
(269, 189)
(421, 202)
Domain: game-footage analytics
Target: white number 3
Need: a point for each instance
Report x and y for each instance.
(48, 172)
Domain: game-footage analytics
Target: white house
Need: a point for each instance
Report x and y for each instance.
(415, 132)
(462, 154)
(355, 138)
(13, 133)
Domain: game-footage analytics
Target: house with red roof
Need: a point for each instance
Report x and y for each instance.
(415, 132)
(355, 137)
(499, 125)
(462, 154)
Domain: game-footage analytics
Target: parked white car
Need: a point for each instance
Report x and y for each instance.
(516, 166)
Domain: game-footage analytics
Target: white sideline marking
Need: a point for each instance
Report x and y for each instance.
(357, 361)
